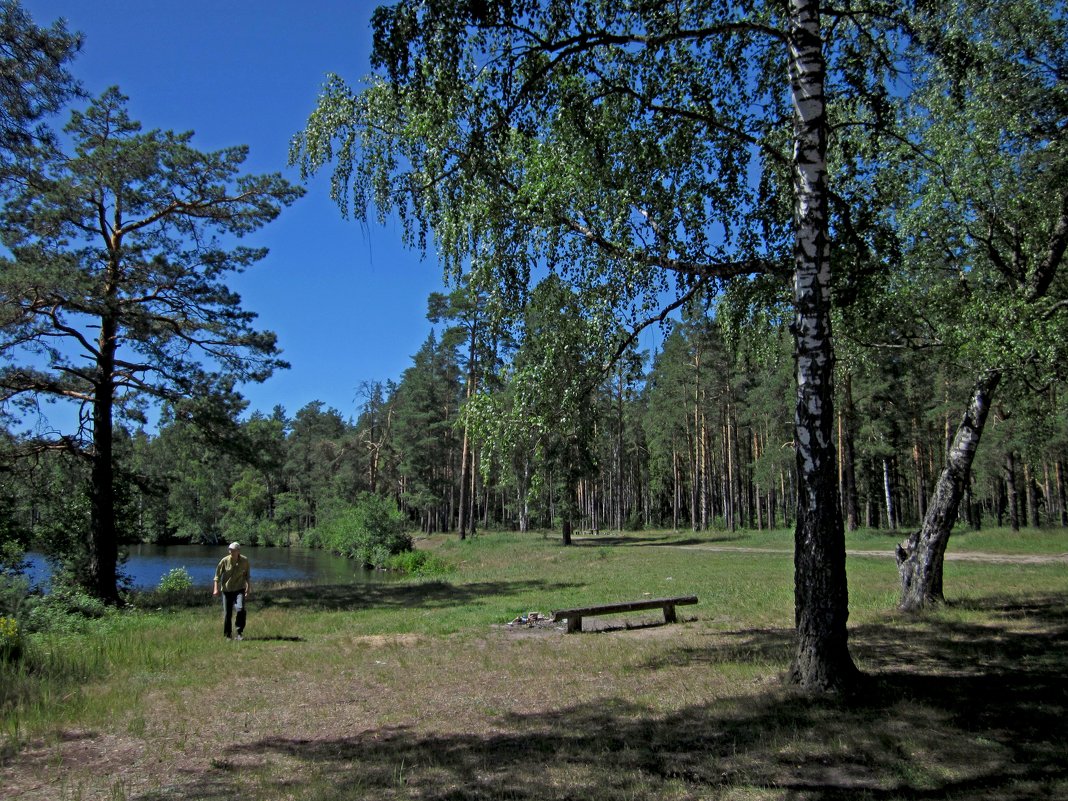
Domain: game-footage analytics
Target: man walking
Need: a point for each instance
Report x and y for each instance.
(233, 578)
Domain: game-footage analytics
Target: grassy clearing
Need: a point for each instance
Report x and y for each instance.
(418, 690)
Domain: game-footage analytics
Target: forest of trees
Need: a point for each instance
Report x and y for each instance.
(695, 436)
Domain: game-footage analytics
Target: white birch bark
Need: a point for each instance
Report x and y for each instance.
(822, 661)
(921, 556)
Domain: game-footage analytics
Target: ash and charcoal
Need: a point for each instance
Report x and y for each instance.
(533, 620)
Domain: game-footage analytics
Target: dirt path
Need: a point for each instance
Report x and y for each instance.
(956, 556)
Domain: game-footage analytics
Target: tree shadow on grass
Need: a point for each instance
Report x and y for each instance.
(654, 542)
(949, 710)
(609, 540)
(433, 594)
(725, 537)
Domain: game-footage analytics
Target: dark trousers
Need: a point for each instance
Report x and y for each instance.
(233, 601)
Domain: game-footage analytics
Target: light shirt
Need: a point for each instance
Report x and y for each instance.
(233, 573)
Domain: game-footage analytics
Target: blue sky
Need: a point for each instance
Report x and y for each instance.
(348, 302)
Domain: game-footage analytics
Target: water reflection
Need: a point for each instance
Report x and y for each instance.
(147, 564)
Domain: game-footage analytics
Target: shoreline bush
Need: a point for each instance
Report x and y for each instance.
(371, 531)
(418, 563)
(175, 581)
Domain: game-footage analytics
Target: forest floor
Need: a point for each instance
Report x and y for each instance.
(420, 690)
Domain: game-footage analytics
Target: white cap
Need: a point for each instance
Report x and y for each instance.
(234, 546)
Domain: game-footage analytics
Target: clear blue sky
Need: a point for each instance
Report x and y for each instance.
(348, 303)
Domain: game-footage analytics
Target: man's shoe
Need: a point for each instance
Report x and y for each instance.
(238, 637)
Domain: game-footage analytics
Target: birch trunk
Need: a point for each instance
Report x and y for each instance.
(920, 557)
(821, 601)
(888, 494)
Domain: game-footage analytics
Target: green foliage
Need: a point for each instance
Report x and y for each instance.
(370, 532)
(419, 563)
(36, 81)
(427, 407)
(65, 608)
(10, 639)
(175, 580)
(540, 429)
(14, 590)
(319, 466)
(12, 557)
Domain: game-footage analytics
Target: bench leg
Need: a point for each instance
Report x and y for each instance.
(669, 613)
(574, 624)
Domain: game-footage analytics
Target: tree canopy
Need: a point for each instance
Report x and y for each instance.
(34, 79)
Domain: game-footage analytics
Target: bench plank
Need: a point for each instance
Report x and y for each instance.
(574, 616)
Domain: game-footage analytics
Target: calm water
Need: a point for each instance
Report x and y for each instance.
(149, 563)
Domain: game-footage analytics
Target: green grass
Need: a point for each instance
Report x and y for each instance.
(417, 689)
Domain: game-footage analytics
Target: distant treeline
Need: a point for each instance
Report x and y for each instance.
(697, 435)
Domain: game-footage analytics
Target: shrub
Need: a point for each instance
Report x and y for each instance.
(370, 531)
(175, 581)
(64, 609)
(13, 592)
(10, 640)
(419, 563)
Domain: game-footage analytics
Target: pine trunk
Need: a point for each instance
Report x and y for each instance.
(1011, 493)
(1062, 492)
(1031, 495)
(849, 462)
(102, 578)
(920, 557)
(732, 509)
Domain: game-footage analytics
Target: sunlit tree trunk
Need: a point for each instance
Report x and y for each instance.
(756, 489)
(849, 466)
(1062, 492)
(676, 494)
(821, 600)
(1031, 496)
(888, 493)
(729, 486)
(920, 557)
(1011, 492)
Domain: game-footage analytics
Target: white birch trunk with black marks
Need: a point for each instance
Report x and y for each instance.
(920, 558)
(821, 604)
(888, 494)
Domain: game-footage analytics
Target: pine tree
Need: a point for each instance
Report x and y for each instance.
(114, 293)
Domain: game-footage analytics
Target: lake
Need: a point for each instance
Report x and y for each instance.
(147, 564)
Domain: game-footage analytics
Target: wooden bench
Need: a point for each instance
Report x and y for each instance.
(574, 616)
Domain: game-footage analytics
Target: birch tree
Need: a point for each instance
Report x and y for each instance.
(635, 149)
(987, 239)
